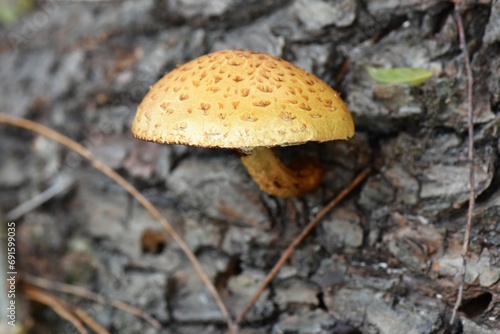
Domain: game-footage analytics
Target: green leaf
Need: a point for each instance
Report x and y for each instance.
(12, 10)
(400, 75)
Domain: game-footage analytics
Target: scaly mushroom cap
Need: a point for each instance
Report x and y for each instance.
(241, 99)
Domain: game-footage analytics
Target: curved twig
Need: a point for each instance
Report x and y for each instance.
(289, 251)
(57, 305)
(74, 146)
(84, 293)
(470, 158)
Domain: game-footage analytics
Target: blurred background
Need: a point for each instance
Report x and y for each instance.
(387, 260)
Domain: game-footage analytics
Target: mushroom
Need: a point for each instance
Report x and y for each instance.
(249, 101)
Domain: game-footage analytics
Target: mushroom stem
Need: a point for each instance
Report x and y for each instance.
(275, 178)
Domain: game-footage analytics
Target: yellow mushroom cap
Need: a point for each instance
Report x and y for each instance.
(241, 99)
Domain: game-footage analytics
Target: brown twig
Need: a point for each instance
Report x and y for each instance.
(89, 321)
(289, 251)
(84, 293)
(79, 149)
(470, 158)
(56, 304)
